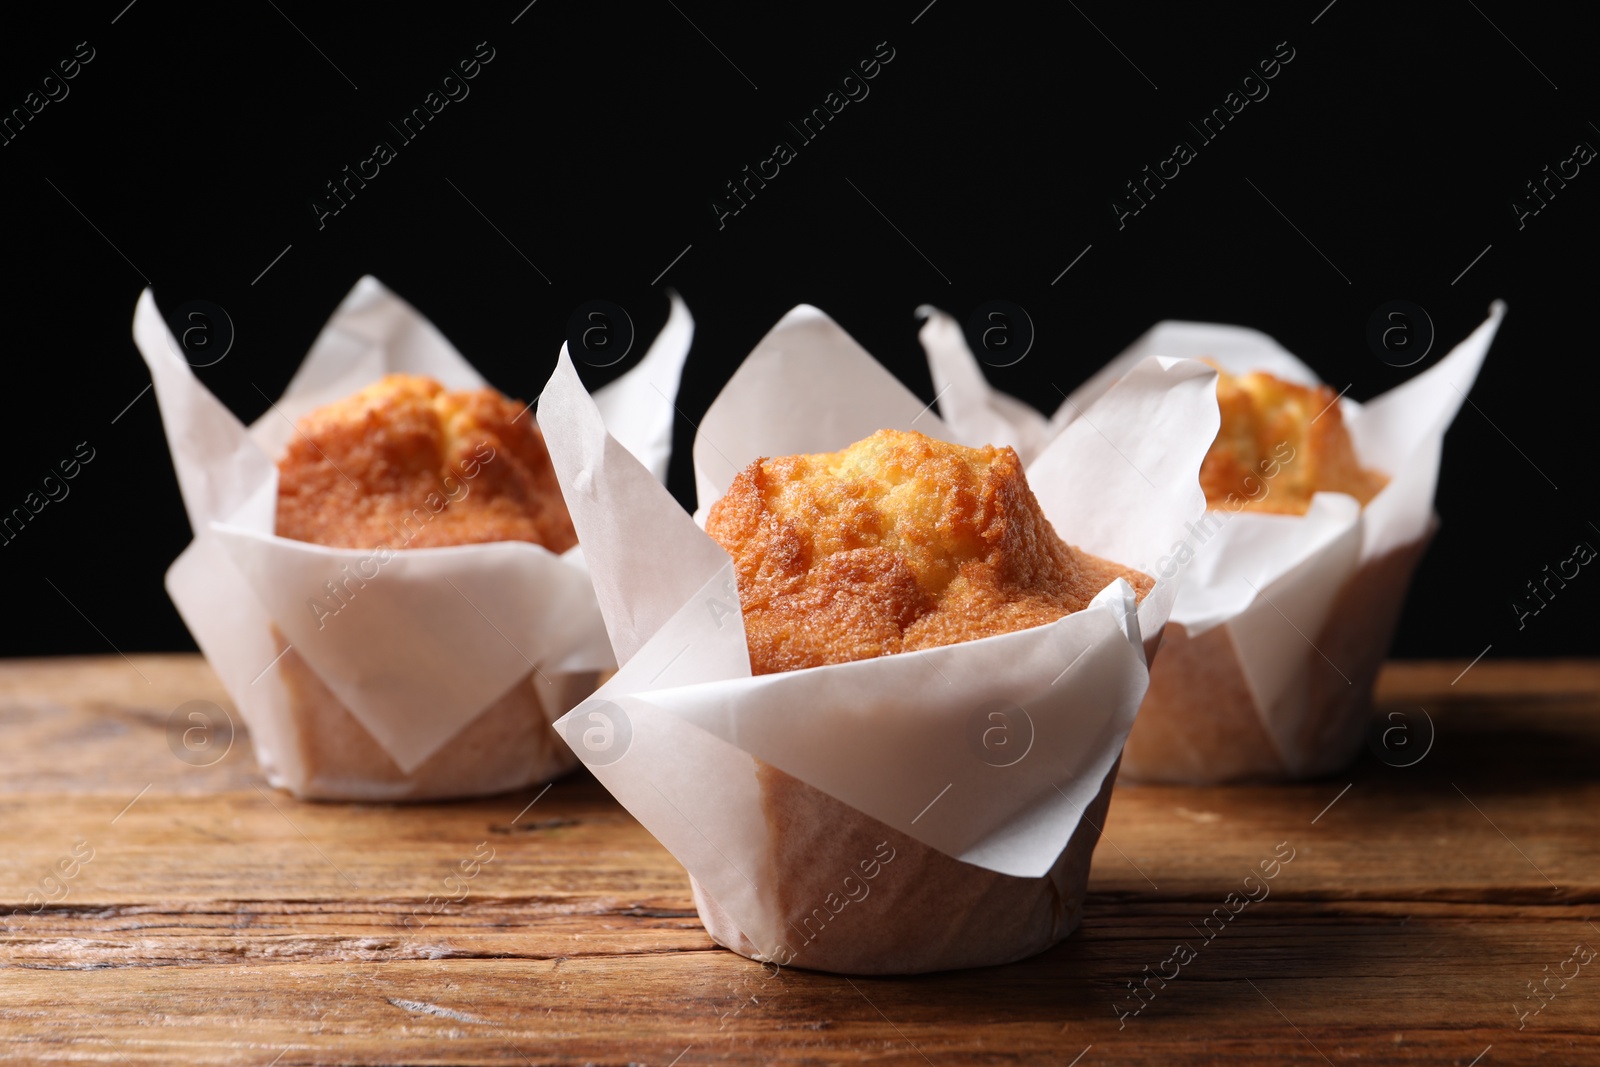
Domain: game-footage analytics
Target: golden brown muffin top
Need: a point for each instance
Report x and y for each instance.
(897, 543)
(409, 464)
(1279, 444)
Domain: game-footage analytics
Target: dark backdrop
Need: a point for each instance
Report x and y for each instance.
(188, 151)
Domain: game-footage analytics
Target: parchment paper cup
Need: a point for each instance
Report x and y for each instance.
(1283, 620)
(818, 811)
(442, 670)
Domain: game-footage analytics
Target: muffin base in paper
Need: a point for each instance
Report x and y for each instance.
(443, 678)
(509, 746)
(921, 910)
(766, 787)
(1199, 722)
(1243, 688)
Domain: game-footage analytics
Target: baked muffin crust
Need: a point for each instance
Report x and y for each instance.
(896, 543)
(409, 464)
(1279, 444)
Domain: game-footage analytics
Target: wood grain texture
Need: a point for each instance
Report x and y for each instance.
(221, 922)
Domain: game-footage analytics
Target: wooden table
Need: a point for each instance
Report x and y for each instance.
(219, 921)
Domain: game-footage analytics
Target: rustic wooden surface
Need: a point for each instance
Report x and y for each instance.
(219, 921)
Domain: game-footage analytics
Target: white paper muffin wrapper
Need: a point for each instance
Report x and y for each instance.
(676, 733)
(1258, 571)
(439, 634)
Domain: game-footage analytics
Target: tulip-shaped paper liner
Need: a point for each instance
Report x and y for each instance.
(1251, 572)
(414, 642)
(676, 734)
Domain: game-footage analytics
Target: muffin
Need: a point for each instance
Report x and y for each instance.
(406, 463)
(1284, 614)
(369, 673)
(1279, 444)
(898, 543)
(869, 697)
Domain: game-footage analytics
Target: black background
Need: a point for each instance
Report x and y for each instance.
(190, 148)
